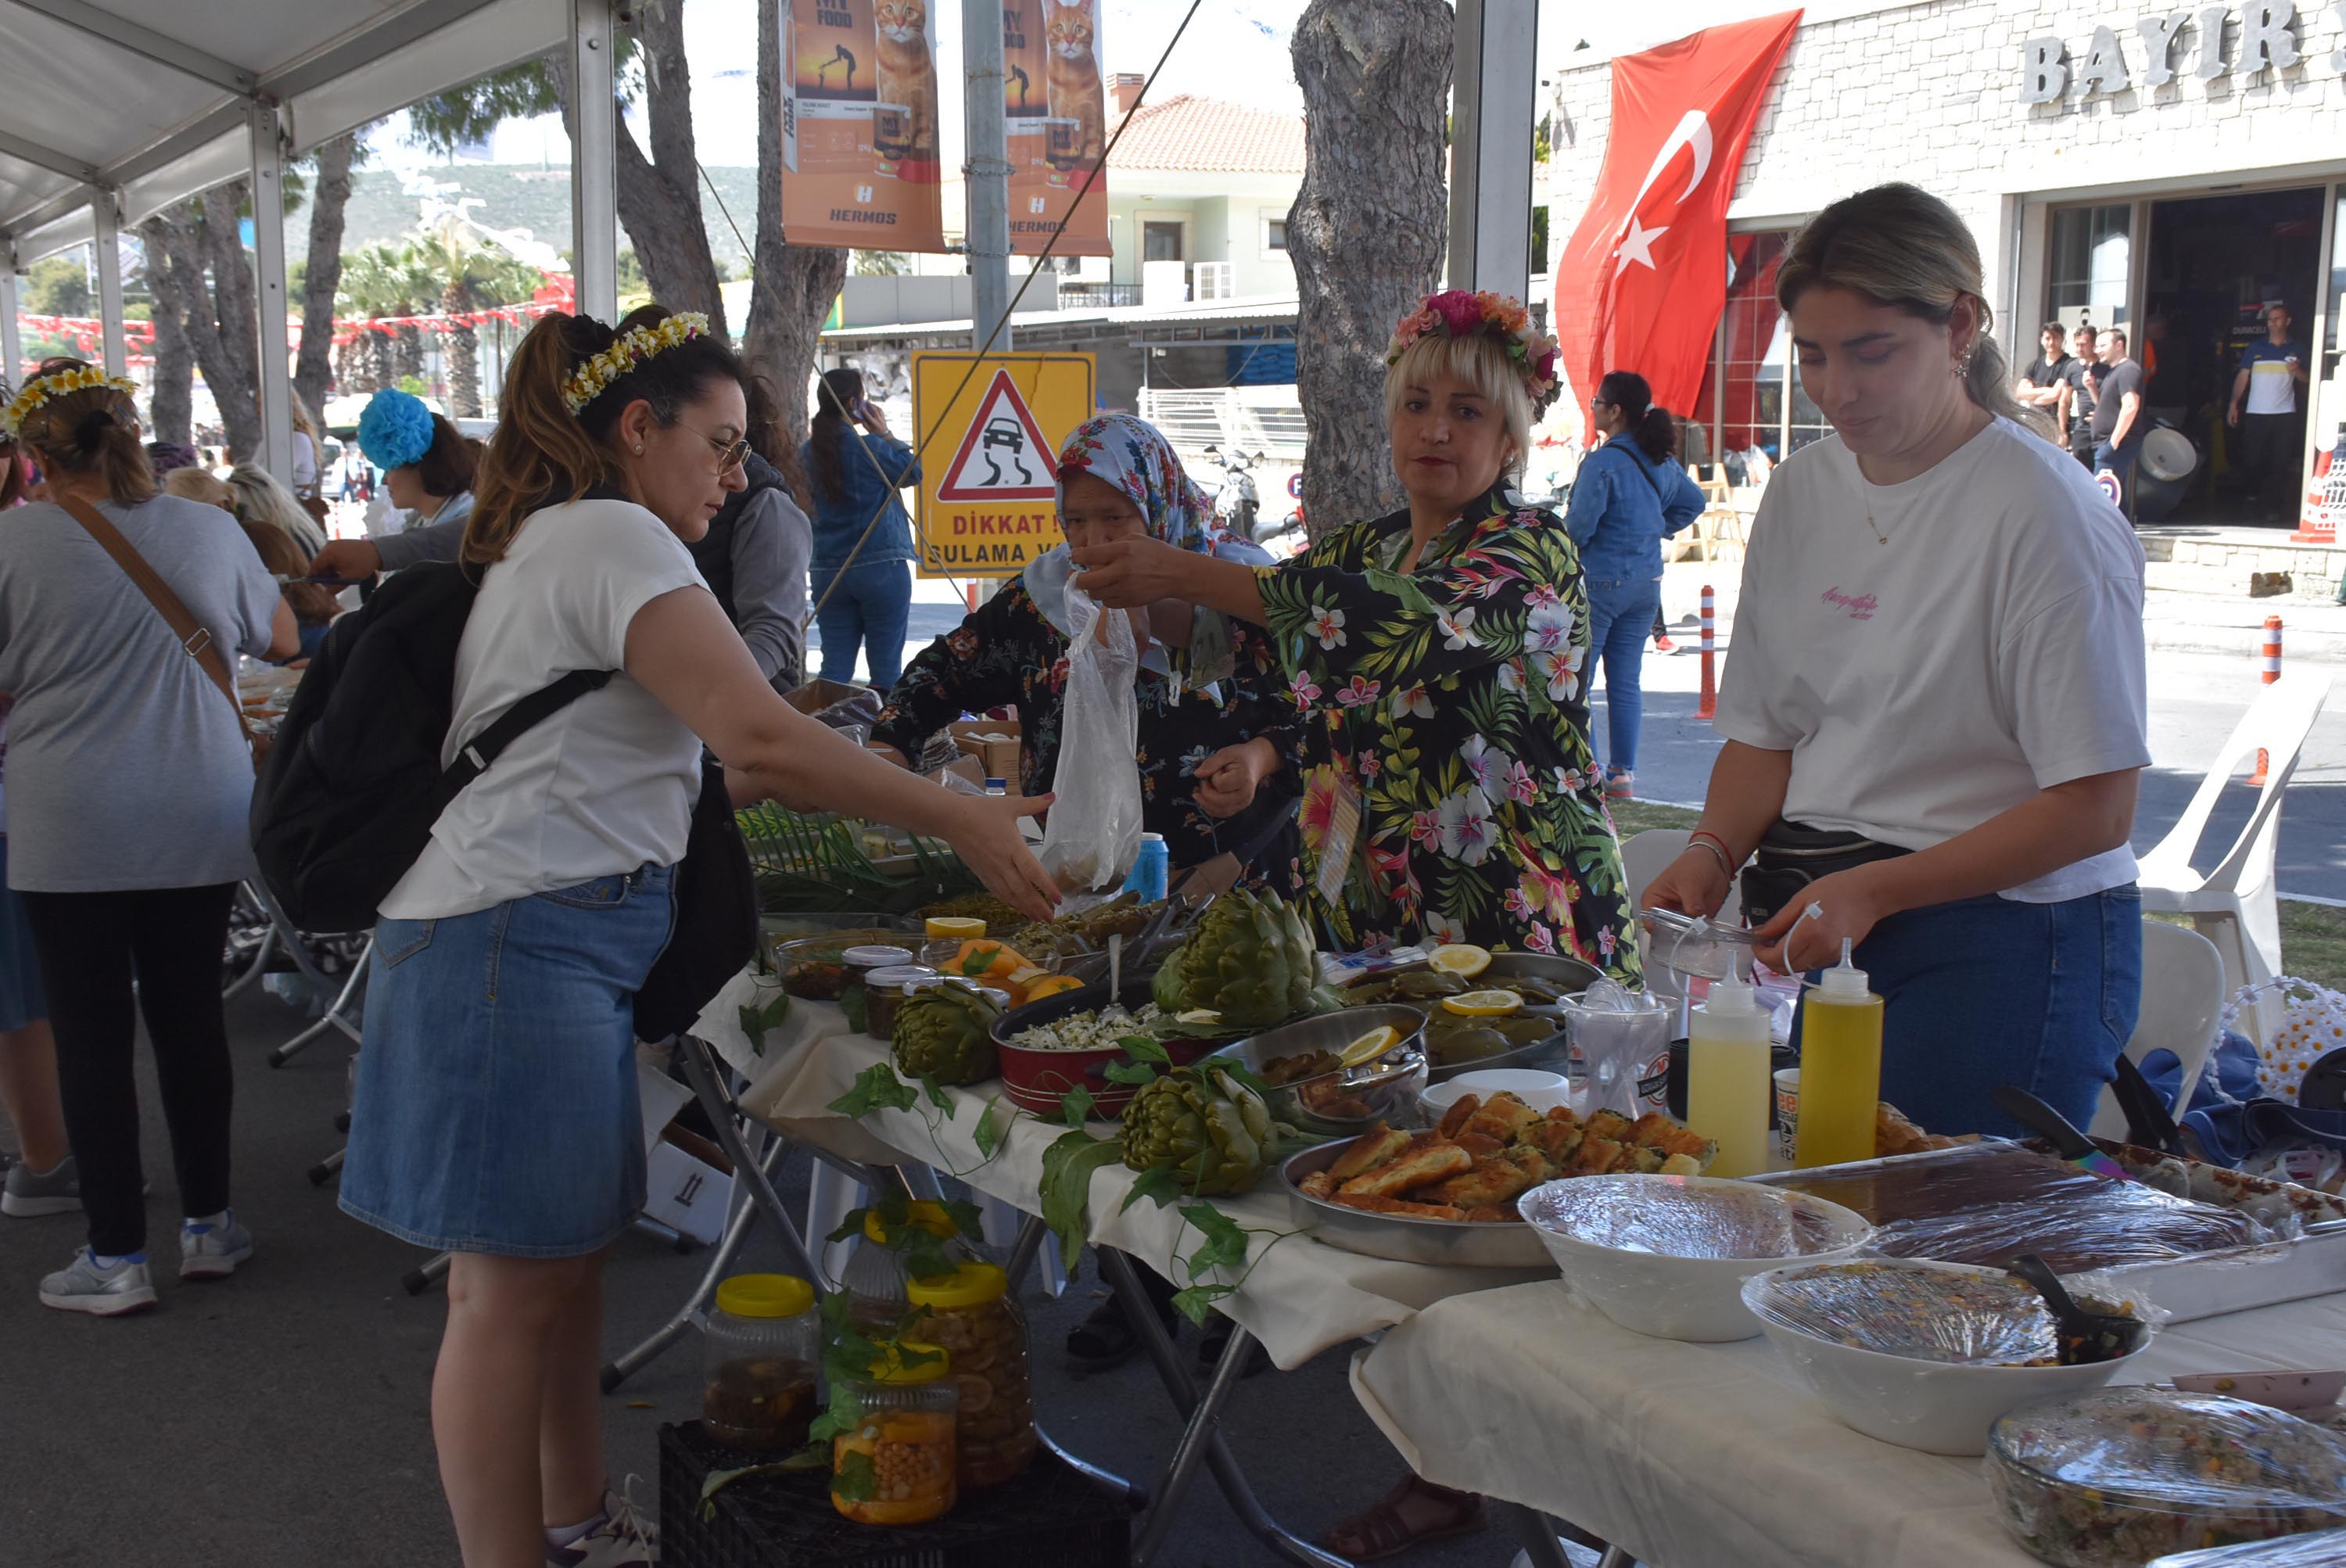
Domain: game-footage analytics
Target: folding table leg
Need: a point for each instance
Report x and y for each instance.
(700, 1069)
(1617, 1557)
(1200, 1434)
(332, 1017)
(1537, 1533)
(1033, 1234)
(737, 1230)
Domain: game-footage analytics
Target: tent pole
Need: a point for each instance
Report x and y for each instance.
(594, 161)
(276, 389)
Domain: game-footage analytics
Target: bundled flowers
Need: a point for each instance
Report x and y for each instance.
(1464, 313)
(48, 388)
(589, 381)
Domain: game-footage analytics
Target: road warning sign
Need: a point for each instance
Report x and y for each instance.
(990, 509)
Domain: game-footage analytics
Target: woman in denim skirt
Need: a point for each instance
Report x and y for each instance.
(495, 1114)
(1936, 692)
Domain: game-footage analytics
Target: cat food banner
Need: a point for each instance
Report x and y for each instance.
(860, 156)
(1055, 107)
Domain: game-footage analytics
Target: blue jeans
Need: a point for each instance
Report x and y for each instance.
(494, 1108)
(1990, 991)
(871, 605)
(2120, 460)
(1620, 619)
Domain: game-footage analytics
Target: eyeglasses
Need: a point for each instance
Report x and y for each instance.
(730, 455)
(1602, 402)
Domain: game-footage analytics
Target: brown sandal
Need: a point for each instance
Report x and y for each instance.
(1379, 1531)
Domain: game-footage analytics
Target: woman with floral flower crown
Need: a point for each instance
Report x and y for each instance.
(1450, 791)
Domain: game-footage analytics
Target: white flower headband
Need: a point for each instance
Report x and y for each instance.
(48, 388)
(589, 381)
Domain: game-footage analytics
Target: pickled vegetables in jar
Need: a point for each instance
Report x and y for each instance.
(896, 1465)
(970, 1314)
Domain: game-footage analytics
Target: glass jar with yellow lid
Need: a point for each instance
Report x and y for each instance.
(760, 1346)
(970, 1314)
(895, 1465)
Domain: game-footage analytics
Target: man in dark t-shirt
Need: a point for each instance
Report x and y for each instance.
(2118, 422)
(2040, 383)
(2077, 397)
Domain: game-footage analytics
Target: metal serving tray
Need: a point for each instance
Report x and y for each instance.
(1439, 1243)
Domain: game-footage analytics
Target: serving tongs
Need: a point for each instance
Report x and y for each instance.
(2150, 1124)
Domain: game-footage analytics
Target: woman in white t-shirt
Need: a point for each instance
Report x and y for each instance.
(1936, 694)
(494, 1112)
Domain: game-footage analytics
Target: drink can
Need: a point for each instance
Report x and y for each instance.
(1151, 870)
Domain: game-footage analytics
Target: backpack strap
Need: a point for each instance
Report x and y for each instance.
(484, 749)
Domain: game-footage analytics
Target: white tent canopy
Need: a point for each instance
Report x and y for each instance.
(111, 113)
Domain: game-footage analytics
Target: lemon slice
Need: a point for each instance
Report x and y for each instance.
(1484, 1004)
(1197, 1015)
(953, 928)
(1369, 1046)
(1462, 959)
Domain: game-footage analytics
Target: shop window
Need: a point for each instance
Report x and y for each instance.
(1274, 236)
(1744, 400)
(2091, 257)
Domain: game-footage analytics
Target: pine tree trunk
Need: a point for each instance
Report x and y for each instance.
(171, 415)
(233, 370)
(795, 284)
(1368, 231)
(330, 196)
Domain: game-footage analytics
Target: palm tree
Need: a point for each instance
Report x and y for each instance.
(384, 280)
(452, 254)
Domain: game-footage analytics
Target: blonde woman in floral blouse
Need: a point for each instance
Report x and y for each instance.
(1450, 791)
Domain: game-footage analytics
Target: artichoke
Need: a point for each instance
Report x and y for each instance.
(1250, 959)
(945, 1033)
(1213, 1132)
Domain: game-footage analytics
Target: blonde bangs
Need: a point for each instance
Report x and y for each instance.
(1480, 361)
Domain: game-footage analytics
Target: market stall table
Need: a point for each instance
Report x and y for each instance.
(1716, 1456)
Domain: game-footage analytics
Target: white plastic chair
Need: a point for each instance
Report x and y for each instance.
(2236, 905)
(2183, 993)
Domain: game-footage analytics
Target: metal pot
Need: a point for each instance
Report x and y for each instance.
(1340, 1104)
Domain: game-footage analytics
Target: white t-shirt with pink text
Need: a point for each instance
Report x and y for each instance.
(1991, 648)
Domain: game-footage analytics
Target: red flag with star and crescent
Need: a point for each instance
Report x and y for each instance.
(1642, 282)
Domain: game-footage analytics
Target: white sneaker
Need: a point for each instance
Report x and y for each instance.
(623, 1538)
(82, 1286)
(213, 1251)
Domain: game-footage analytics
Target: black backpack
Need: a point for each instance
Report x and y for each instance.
(346, 802)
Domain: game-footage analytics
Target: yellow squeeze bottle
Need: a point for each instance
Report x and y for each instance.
(1840, 1068)
(1728, 1083)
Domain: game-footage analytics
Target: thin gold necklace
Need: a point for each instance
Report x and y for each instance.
(1879, 536)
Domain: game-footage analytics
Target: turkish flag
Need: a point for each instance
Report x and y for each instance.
(1643, 280)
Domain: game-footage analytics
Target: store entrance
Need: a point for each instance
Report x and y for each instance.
(2216, 263)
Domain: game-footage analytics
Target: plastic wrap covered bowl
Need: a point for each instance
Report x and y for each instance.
(2121, 1476)
(1668, 1255)
(1917, 1353)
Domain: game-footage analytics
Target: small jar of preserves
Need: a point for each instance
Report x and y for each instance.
(895, 1465)
(758, 1353)
(970, 1313)
(884, 993)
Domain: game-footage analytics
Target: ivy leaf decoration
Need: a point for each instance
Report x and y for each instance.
(1226, 1242)
(1197, 1302)
(852, 1225)
(843, 1415)
(759, 1017)
(857, 1004)
(1076, 1106)
(924, 1255)
(988, 1134)
(875, 1088)
(936, 1093)
(1067, 1169)
(852, 1478)
(1162, 1184)
(1137, 1073)
(1146, 1048)
(966, 1218)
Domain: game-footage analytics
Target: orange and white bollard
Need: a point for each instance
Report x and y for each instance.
(2271, 674)
(1709, 707)
(969, 594)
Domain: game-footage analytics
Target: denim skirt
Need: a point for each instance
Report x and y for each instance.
(494, 1108)
(22, 1000)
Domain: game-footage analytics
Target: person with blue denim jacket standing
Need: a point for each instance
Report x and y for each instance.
(862, 535)
(1629, 496)
(1935, 707)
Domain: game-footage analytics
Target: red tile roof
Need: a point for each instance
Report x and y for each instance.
(1209, 136)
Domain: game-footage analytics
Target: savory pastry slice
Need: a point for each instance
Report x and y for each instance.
(1562, 1113)
(1491, 1213)
(1489, 1181)
(1644, 1161)
(1556, 1140)
(1502, 1116)
(1482, 1146)
(1529, 1160)
(1427, 1159)
(1600, 1156)
(1376, 1205)
(1455, 1117)
(1371, 1149)
(1319, 1185)
(1681, 1165)
(1648, 1131)
(1610, 1125)
(1686, 1140)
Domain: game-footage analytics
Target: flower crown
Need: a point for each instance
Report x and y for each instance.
(632, 348)
(1459, 313)
(47, 389)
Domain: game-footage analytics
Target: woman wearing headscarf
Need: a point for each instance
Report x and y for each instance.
(1217, 730)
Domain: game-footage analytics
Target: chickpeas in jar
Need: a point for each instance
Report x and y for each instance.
(896, 1466)
(970, 1314)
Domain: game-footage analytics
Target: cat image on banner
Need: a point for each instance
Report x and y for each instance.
(859, 112)
(1054, 103)
(907, 61)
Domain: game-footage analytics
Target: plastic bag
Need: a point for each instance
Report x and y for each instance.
(2123, 1475)
(2322, 1549)
(1092, 835)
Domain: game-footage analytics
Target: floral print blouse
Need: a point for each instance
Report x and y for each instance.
(1455, 699)
(1006, 652)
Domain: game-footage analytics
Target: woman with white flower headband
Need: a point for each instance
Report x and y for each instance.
(494, 1115)
(128, 783)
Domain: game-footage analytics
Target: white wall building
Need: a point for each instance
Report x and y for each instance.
(2130, 167)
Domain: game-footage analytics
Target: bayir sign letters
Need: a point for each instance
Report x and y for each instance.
(2267, 38)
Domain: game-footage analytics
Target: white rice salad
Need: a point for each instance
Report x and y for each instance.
(1091, 1031)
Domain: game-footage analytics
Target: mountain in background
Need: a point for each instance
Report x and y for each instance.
(519, 195)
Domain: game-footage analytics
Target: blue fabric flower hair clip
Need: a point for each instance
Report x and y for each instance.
(395, 430)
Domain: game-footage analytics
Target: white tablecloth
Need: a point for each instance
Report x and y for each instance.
(1715, 1456)
(1303, 1299)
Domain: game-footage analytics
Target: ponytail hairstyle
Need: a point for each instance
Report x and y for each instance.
(1899, 246)
(1655, 430)
(542, 453)
(837, 396)
(91, 430)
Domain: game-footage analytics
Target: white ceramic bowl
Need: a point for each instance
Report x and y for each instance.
(1931, 1406)
(1541, 1090)
(1589, 1224)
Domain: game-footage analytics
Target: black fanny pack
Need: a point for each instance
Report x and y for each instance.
(1792, 856)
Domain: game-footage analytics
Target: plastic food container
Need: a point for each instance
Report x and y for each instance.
(896, 1466)
(971, 1315)
(1920, 1354)
(759, 1350)
(873, 1278)
(2121, 1476)
(1668, 1255)
(884, 993)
